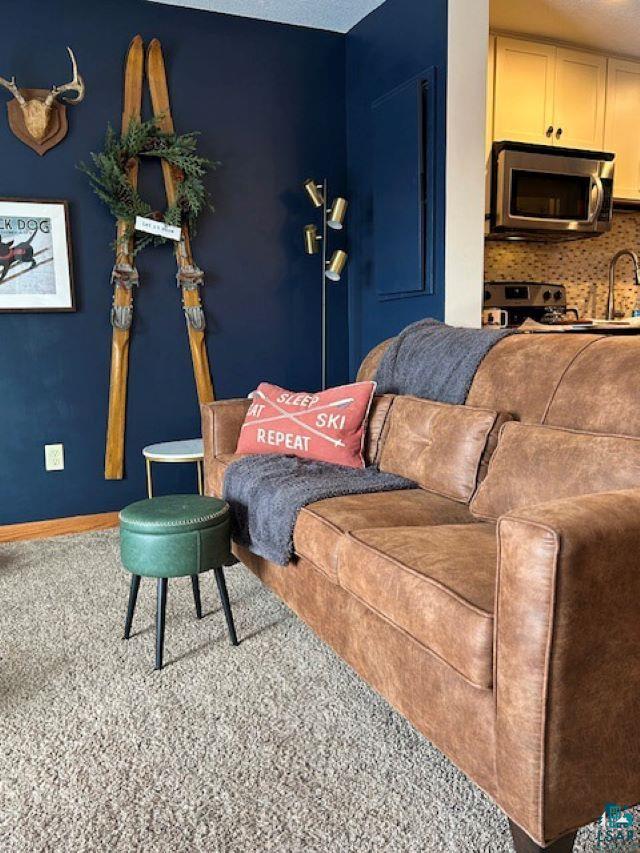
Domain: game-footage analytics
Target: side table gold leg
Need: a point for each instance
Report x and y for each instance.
(149, 480)
(200, 481)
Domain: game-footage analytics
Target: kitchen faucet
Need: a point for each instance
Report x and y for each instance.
(612, 278)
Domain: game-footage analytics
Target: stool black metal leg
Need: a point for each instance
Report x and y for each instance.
(160, 617)
(196, 595)
(224, 598)
(133, 597)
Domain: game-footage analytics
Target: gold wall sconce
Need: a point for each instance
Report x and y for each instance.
(314, 192)
(311, 241)
(315, 243)
(337, 214)
(336, 265)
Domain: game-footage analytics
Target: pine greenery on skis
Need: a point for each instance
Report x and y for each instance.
(111, 183)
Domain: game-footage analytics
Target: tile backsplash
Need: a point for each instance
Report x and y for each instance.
(582, 265)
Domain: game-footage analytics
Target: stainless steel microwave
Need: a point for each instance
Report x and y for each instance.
(544, 193)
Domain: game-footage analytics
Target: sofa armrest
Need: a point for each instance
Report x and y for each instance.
(567, 661)
(221, 424)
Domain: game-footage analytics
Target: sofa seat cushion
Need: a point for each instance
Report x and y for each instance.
(319, 532)
(435, 583)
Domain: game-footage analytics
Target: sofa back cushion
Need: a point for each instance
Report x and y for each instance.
(437, 445)
(534, 464)
(378, 413)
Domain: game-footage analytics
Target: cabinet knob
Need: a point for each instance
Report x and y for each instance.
(550, 130)
(558, 133)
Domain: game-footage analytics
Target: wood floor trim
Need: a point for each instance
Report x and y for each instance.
(57, 527)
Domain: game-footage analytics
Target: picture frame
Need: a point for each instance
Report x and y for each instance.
(36, 271)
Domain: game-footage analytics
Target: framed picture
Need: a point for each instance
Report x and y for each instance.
(35, 256)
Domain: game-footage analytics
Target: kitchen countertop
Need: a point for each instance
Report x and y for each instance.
(598, 327)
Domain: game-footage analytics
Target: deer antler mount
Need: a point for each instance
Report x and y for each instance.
(36, 116)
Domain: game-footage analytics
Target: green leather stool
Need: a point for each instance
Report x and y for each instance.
(170, 537)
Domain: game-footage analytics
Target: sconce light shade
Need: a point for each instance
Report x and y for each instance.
(336, 265)
(314, 192)
(311, 239)
(337, 213)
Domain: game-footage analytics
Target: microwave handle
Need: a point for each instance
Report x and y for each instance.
(595, 213)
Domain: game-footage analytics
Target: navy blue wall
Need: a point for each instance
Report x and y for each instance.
(258, 92)
(398, 40)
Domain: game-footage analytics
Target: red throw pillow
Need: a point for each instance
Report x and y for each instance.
(328, 426)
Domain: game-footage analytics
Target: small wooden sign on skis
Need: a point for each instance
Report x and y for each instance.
(158, 229)
(124, 277)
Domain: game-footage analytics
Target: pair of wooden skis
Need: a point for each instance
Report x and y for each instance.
(125, 277)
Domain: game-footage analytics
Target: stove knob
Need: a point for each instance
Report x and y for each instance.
(546, 295)
(557, 295)
(487, 296)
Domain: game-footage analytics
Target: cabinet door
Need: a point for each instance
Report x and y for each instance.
(523, 105)
(579, 99)
(622, 126)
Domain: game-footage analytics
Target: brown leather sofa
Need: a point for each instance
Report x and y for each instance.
(506, 628)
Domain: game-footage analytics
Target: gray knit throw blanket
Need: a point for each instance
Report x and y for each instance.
(266, 493)
(430, 359)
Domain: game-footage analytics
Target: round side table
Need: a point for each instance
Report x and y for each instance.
(190, 450)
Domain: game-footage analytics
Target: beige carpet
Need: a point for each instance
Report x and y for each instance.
(273, 746)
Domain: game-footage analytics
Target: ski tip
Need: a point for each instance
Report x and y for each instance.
(154, 53)
(135, 42)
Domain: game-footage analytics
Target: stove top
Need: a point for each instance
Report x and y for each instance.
(538, 300)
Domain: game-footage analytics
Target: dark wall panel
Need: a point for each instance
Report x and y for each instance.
(403, 158)
(400, 42)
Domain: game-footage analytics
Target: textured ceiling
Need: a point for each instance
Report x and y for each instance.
(608, 25)
(336, 15)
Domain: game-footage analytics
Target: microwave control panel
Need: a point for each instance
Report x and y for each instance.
(606, 211)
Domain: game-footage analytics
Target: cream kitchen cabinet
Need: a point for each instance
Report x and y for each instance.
(548, 95)
(622, 126)
(579, 99)
(523, 97)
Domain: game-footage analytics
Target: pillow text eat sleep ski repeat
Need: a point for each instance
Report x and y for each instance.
(328, 426)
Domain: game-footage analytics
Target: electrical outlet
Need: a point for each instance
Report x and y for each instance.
(54, 457)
